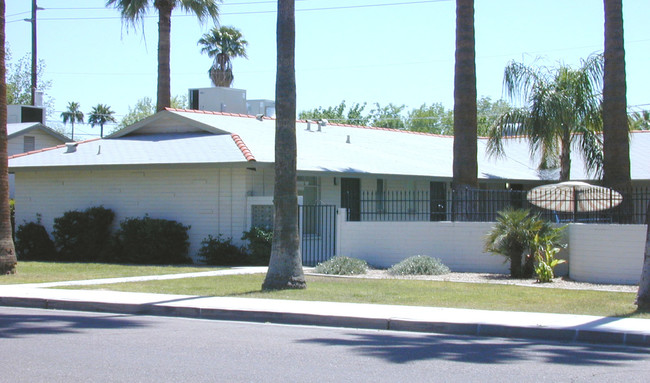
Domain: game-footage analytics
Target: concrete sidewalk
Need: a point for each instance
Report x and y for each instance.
(561, 327)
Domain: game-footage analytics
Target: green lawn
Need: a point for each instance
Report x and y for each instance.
(38, 272)
(405, 292)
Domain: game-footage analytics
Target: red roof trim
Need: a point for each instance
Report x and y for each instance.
(305, 121)
(51, 148)
(242, 146)
(215, 113)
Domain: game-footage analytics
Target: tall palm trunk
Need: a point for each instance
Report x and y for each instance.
(285, 265)
(643, 295)
(616, 146)
(164, 53)
(565, 156)
(465, 124)
(8, 258)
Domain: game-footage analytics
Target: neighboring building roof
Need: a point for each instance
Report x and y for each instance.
(190, 137)
(18, 129)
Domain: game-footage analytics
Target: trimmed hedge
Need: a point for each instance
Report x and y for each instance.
(83, 236)
(33, 243)
(152, 241)
(221, 251)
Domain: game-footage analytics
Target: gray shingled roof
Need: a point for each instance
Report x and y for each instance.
(190, 137)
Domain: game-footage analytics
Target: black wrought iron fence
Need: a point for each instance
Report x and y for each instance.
(484, 205)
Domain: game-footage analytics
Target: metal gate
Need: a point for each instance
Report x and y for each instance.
(318, 226)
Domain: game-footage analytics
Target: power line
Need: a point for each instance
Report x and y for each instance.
(255, 12)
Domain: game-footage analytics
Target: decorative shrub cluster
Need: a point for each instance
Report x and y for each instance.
(259, 245)
(86, 237)
(419, 265)
(33, 243)
(152, 241)
(83, 236)
(341, 265)
(221, 251)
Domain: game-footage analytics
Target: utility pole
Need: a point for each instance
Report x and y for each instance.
(34, 56)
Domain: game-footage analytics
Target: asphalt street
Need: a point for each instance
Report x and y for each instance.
(66, 346)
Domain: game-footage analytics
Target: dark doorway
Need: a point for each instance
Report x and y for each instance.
(351, 197)
(438, 201)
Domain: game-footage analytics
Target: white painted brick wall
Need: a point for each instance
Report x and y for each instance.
(211, 201)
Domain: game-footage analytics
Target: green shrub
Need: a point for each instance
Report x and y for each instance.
(152, 241)
(419, 265)
(259, 245)
(33, 243)
(545, 250)
(221, 251)
(83, 236)
(341, 265)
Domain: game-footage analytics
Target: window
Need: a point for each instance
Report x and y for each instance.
(29, 143)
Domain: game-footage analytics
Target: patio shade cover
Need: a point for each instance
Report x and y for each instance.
(574, 197)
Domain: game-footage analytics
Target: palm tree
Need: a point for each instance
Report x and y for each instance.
(134, 11)
(223, 44)
(100, 115)
(465, 167)
(8, 258)
(643, 294)
(561, 106)
(285, 265)
(616, 145)
(73, 114)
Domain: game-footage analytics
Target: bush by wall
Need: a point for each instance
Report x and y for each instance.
(33, 243)
(221, 251)
(341, 265)
(419, 265)
(152, 241)
(259, 245)
(83, 236)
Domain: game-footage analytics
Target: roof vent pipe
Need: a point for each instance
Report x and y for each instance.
(348, 140)
(308, 126)
(71, 147)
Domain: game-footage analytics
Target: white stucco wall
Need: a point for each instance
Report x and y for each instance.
(210, 200)
(459, 245)
(606, 253)
(596, 253)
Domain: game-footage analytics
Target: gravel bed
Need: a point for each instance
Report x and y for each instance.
(504, 279)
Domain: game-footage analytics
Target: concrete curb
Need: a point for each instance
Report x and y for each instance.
(554, 333)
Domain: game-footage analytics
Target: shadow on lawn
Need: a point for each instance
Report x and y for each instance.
(397, 348)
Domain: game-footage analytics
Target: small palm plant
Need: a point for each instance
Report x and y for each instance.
(73, 114)
(512, 236)
(100, 115)
(223, 44)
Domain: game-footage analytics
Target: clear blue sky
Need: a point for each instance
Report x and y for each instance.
(401, 52)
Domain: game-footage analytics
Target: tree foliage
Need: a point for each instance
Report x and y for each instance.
(223, 44)
(134, 12)
(100, 115)
(340, 114)
(72, 114)
(561, 106)
(145, 107)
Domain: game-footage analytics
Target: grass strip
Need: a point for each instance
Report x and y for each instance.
(40, 272)
(404, 292)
